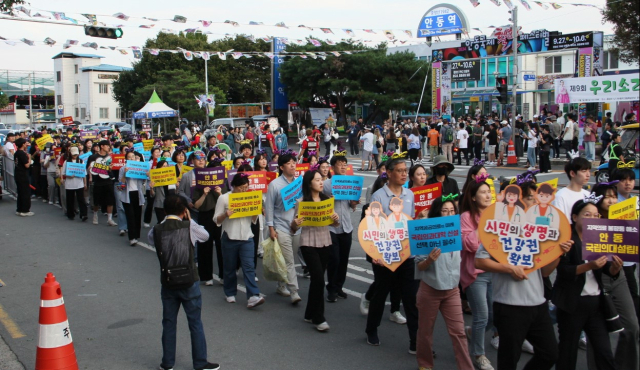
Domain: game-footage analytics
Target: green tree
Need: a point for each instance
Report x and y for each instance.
(4, 99)
(625, 16)
(7, 5)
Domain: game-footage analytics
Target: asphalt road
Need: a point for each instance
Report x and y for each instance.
(112, 298)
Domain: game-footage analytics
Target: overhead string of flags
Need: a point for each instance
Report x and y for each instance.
(393, 36)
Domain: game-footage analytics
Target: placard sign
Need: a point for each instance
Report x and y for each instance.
(439, 232)
(273, 166)
(258, 181)
(301, 168)
(88, 135)
(603, 237)
(209, 177)
(571, 41)
(117, 161)
(425, 195)
(529, 237)
(385, 237)
(137, 170)
(346, 187)
(316, 213)
(163, 176)
(42, 141)
(625, 210)
(75, 169)
(465, 71)
(245, 204)
(148, 144)
(291, 193)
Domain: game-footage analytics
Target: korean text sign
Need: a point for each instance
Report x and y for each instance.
(137, 170)
(316, 213)
(75, 169)
(346, 187)
(245, 204)
(163, 176)
(598, 89)
(425, 195)
(42, 141)
(625, 210)
(603, 237)
(439, 232)
(291, 193)
(209, 177)
(117, 161)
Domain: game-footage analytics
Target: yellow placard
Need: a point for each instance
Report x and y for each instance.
(625, 210)
(185, 169)
(552, 182)
(148, 144)
(474, 98)
(41, 142)
(316, 213)
(245, 204)
(227, 164)
(163, 176)
(493, 190)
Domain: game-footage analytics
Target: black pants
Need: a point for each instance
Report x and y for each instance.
(413, 155)
(466, 155)
(327, 148)
(255, 230)
(205, 249)
(384, 280)
(148, 210)
(477, 148)
(395, 296)
(566, 144)
(556, 148)
(545, 162)
(217, 236)
(160, 214)
(23, 204)
(353, 144)
(338, 261)
(517, 323)
(133, 211)
(630, 274)
(76, 196)
(316, 259)
(590, 319)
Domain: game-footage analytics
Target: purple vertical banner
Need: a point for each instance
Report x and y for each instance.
(602, 237)
(585, 69)
(436, 70)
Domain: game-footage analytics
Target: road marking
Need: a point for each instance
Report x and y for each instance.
(10, 325)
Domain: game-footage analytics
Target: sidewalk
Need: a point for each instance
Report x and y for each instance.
(8, 360)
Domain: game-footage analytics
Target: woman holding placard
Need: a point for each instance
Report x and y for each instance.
(74, 186)
(132, 196)
(237, 244)
(439, 274)
(314, 243)
(578, 295)
(159, 193)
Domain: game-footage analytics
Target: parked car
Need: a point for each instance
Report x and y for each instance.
(86, 126)
(102, 128)
(3, 126)
(213, 126)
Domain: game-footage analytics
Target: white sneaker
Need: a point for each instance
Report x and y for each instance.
(531, 168)
(133, 242)
(146, 226)
(121, 233)
(397, 318)
(495, 342)
(26, 214)
(323, 326)
(527, 347)
(254, 301)
(467, 331)
(95, 218)
(208, 283)
(257, 279)
(51, 203)
(482, 363)
(283, 291)
(364, 305)
(231, 299)
(111, 223)
(295, 298)
(583, 343)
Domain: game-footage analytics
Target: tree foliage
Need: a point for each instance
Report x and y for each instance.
(7, 5)
(245, 80)
(4, 99)
(371, 77)
(625, 16)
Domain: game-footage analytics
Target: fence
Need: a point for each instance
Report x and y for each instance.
(8, 181)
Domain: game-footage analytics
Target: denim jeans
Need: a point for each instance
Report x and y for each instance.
(531, 156)
(231, 251)
(590, 150)
(480, 298)
(122, 216)
(191, 301)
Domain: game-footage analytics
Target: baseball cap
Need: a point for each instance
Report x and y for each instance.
(504, 122)
(74, 150)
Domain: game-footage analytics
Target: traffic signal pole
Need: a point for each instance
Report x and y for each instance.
(514, 46)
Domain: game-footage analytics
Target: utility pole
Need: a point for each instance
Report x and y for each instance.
(30, 102)
(514, 47)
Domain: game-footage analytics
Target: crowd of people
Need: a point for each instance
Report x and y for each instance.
(194, 224)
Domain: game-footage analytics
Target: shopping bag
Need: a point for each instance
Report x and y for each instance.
(273, 264)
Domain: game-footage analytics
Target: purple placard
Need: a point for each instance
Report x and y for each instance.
(602, 237)
(230, 175)
(209, 177)
(273, 166)
(84, 135)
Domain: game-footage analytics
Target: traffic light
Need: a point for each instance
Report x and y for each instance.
(503, 88)
(104, 32)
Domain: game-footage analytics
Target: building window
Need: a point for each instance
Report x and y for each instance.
(613, 60)
(104, 113)
(83, 113)
(58, 76)
(77, 112)
(59, 100)
(103, 88)
(75, 66)
(119, 113)
(553, 65)
(77, 88)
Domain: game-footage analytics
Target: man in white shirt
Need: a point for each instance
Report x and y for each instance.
(367, 147)
(579, 171)
(462, 143)
(9, 147)
(567, 136)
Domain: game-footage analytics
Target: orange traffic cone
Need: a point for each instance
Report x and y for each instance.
(511, 154)
(55, 346)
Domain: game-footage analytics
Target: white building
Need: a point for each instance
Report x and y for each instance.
(83, 88)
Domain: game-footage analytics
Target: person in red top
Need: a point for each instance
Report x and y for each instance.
(317, 134)
(267, 141)
(308, 144)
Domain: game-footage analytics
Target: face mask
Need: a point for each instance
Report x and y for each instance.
(441, 171)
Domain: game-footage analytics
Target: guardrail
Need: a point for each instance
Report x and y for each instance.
(8, 179)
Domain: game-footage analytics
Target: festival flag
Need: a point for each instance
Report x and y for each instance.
(205, 55)
(205, 23)
(153, 51)
(137, 54)
(497, 2)
(123, 52)
(49, 41)
(315, 42)
(349, 32)
(335, 53)
(476, 29)
(72, 42)
(388, 34)
(254, 23)
(408, 32)
(327, 30)
(555, 5)
(58, 16)
(301, 56)
(301, 42)
(475, 3)
(233, 23)
(237, 55)
(509, 4)
(190, 30)
(312, 55)
(92, 18)
(40, 15)
(122, 16)
(222, 56)
(281, 24)
(28, 42)
(525, 4)
(330, 42)
(303, 26)
(187, 54)
(369, 31)
(147, 25)
(151, 19)
(269, 55)
(92, 45)
(179, 19)
(24, 10)
(266, 39)
(9, 42)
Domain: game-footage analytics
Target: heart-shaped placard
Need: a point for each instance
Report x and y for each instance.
(383, 237)
(529, 237)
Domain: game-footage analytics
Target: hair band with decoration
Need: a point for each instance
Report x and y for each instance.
(482, 177)
(630, 165)
(450, 197)
(592, 198)
(478, 162)
(399, 155)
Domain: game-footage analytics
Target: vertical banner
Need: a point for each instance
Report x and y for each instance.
(435, 88)
(585, 69)
(278, 92)
(445, 91)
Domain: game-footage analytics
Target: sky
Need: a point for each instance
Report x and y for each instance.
(357, 15)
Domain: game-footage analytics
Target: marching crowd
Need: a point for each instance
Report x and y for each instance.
(519, 308)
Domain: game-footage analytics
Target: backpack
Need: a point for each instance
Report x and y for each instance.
(448, 135)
